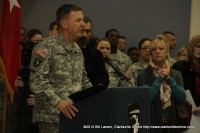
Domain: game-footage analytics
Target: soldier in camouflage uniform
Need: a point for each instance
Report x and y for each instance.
(118, 58)
(143, 61)
(172, 44)
(123, 62)
(57, 70)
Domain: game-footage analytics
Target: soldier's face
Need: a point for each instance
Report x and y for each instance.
(144, 50)
(104, 47)
(73, 24)
(172, 41)
(113, 37)
(54, 31)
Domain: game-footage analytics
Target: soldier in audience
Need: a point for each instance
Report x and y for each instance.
(104, 46)
(143, 61)
(53, 29)
(122, 43)
(119, 59)
(134, 54)
(172, 44)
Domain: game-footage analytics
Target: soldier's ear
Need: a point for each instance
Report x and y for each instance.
(63, 23)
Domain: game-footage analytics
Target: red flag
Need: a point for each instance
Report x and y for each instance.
(10, 35)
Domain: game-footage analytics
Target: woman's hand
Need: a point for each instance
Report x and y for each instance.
(31, 100)
(19, 82)
(165, 73)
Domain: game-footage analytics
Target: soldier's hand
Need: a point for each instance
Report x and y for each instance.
(67, 108)
(128, 75)
(19, 82)
(31, 100)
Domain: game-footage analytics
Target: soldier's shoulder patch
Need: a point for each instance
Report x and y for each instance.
(41, 53)
(37, 60)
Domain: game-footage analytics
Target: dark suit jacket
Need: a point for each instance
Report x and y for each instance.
(95, 67)
(96, 73)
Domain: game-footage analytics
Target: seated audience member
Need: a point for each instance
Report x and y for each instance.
(182, 54)
(104, 46)
(120, 59)
(94, 63)
(6, 95)
(143, 61)
(190, 69)
(53, 29)
(166, 87)
(122, 43)
(134, 54)
(24, 98)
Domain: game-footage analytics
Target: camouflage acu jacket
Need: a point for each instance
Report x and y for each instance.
(134, 69)
(122, 61)
(57, 70)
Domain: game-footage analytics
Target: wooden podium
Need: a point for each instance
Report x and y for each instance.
(107, 112)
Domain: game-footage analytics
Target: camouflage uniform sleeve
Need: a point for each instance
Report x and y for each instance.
(39, 74)
(85, 81)
(131, 75)
(129, 62)
(129, 83)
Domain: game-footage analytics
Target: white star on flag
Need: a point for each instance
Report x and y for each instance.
(12, 3)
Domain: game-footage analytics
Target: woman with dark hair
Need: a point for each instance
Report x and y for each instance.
(190, 69)
(166, 87)
(144, 59)
(24, 99)
(34, 35)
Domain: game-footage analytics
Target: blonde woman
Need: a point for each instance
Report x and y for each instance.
(182, 54)
(166, 86)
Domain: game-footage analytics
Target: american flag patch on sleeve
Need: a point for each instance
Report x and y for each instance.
(41, 53)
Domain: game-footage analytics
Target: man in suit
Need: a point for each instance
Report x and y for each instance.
(94, 63)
